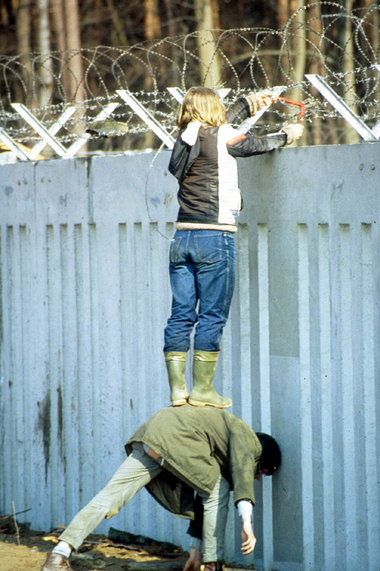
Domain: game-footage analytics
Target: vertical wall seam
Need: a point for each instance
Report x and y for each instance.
(95, 323)
(327, 409)
(243, 293)
(350, 457)
(265, 390)
(371, 430)
(53, 297)
(69, 368)
(17, 352)
(6, 370)
(305, 396)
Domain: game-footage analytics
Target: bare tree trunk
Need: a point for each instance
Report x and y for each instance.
(174, 76)
(23, 28)
(58, 26)
(282, 9)
(293, 49)
(117, 24)
(23, 38)
(152, 25)
(300, 46)
(46, 64)
(314, 34)
(152, 20)
(73, 43)
(282, 17)
(74, 66)
(209, 60)
(350, 95)
(215, 14)
(299, 49)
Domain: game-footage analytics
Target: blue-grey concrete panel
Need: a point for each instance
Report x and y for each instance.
(85, 296)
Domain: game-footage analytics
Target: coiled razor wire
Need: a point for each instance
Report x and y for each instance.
(248, 58)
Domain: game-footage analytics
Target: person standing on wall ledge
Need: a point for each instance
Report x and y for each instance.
(202, 252)
(189, 459)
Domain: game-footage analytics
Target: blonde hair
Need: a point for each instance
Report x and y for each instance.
(204, 105)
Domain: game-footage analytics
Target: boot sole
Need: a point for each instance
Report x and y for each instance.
(179, 402)
(199, 403)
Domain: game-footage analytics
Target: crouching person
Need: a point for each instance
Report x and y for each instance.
(189, 459)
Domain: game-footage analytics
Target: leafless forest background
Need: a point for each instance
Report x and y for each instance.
(60, 52)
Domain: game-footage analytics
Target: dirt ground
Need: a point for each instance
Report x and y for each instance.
(29, 553)
(25, 550)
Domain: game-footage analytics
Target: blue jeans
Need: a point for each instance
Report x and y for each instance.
(202, 269)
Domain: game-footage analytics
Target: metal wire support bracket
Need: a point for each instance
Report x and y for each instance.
(178, 94)
(13, 146)
(146, 117)
(39, 128)
(62, 119)
(81, 140)
(376, 128)
(329, 94)
(47, 135)
(248, 123)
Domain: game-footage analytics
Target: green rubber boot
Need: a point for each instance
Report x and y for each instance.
(176, 365)
(203, 392)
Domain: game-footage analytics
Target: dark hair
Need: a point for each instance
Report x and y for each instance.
(270, 458)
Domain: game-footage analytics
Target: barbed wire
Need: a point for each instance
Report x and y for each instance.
(341, 46)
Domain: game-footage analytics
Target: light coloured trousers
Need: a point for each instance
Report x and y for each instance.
(133, 474)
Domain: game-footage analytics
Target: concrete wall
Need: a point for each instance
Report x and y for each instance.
(84, 300)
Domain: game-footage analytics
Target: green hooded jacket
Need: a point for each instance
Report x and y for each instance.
(195, 445)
